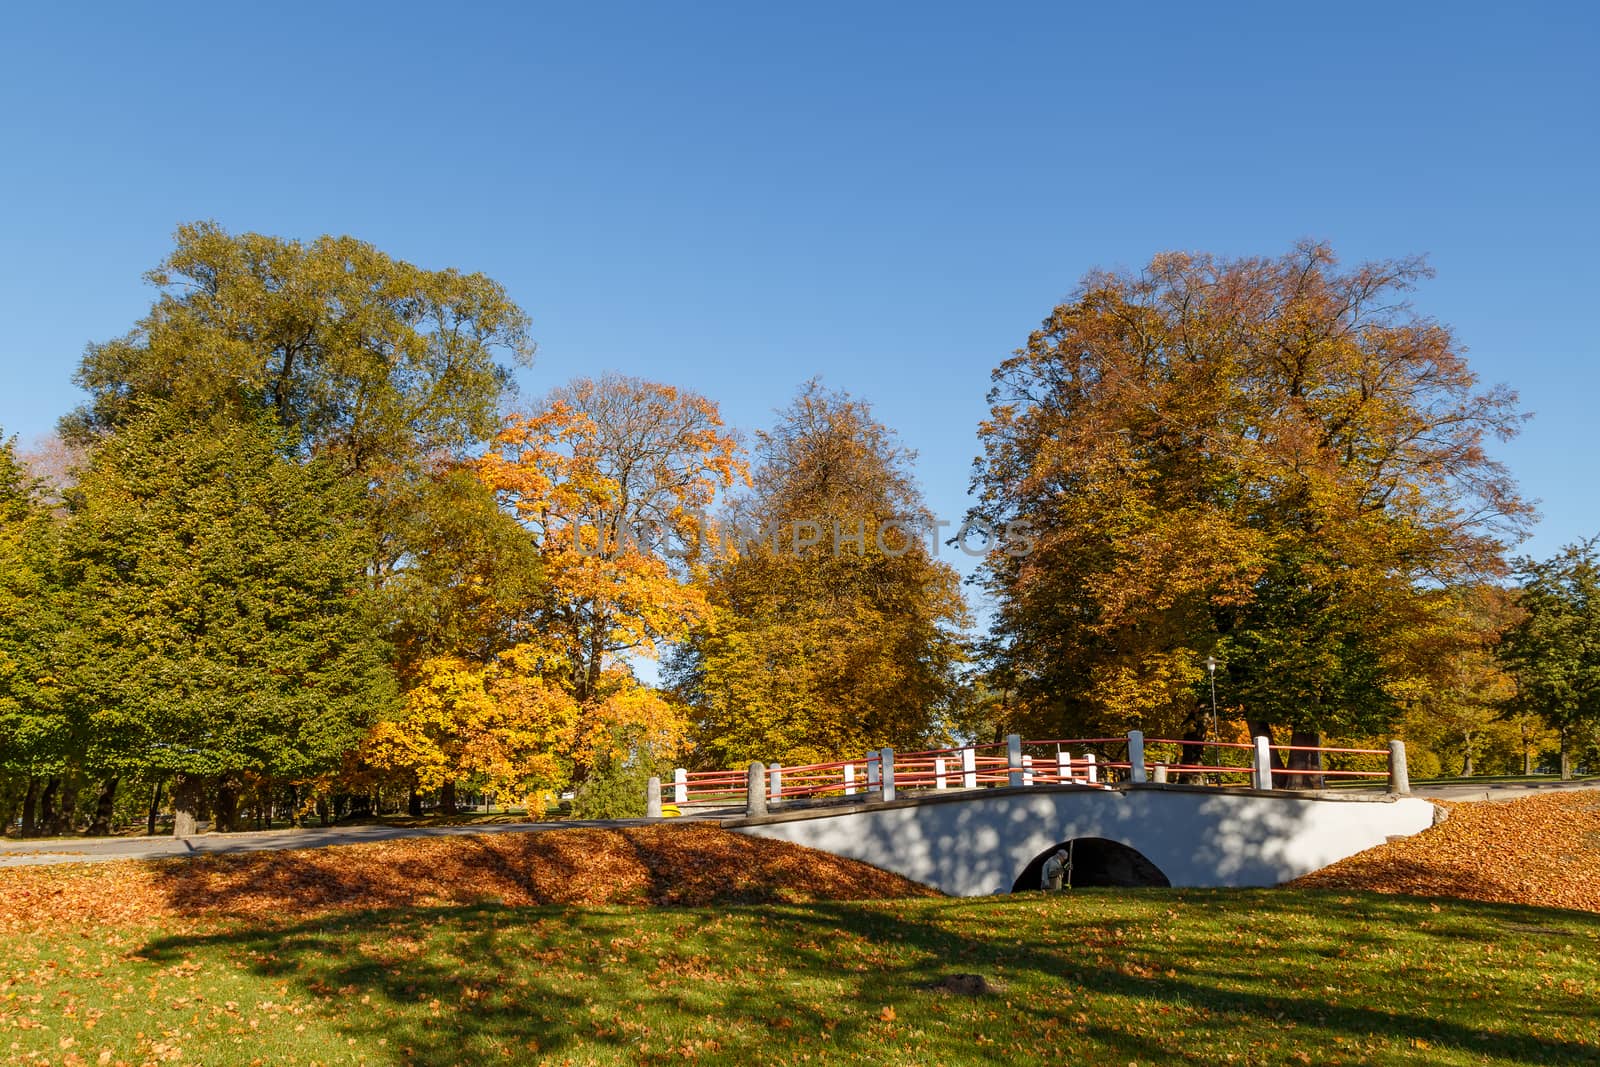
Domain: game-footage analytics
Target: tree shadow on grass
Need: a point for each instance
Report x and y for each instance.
(519, 983)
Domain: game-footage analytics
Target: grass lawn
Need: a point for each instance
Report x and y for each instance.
(1108, 976)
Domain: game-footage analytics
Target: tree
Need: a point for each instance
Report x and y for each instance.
(37, 728)
(349, 351)
(1269, 460)
(610, 478)
(834, 628)
(1554, 652)
(465, 575)
(54, 464)
(365, 365)
(223, 622)
(1460, 706)
(503, 727)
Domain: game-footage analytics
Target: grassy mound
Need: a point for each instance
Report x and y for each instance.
(1541, 850)
(685, 864)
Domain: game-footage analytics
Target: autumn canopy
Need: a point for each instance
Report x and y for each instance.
(305, 550)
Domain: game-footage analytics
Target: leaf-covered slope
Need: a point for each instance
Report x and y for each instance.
(687, 864)
(1542, 850)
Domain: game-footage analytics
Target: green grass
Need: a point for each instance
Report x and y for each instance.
(1087, 977)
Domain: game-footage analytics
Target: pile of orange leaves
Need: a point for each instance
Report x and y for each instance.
(1541, 850)
(650, 865)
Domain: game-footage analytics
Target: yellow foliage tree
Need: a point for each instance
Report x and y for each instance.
(835, 626)
(505, 726)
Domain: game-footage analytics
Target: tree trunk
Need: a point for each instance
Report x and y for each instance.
(8, 810)
(155, 807)
(294, 806)
(1566, 759)
(414, 804)
(1304, 761)
(48, 820)
(1263, 728)
(447, 798)
(1195, 755)
(323, 810)
(67, 810)
(185, 805)
(104, 808)
(227, 806)
(30, 809)
(1466, 762)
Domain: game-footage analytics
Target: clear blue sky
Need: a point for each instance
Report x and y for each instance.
(735, 198)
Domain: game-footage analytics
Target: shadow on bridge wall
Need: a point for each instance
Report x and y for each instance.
(978, 843)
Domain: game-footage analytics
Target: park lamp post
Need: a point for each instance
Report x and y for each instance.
(1216, 734)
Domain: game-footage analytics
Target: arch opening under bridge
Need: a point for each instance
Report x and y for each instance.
(1095, 862)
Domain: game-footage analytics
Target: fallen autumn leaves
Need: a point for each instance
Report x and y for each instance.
(688, 865)
(1543, 851)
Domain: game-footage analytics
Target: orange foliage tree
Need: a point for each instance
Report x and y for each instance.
(1271, 460)
(612, 477)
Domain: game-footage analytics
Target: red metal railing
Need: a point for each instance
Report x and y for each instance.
(1083, 761)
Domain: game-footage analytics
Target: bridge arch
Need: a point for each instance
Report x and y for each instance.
(1096, 861)
(977, 842)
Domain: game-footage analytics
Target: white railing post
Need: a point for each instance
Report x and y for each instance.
(1399, 777)
(1013, 760)
(652, 798)
(969, 769)
(1064, 766)
(886, 756)
(680, 786)
(1089, 769)
(1136, 771)
(755, 789)
(775, 778)
(849, 779)
(1027, 770)
(939, 780)
(1261, 772)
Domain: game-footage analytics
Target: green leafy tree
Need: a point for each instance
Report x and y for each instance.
(357, 361)
(465, 571)
(1554, 652)
(37, 729)
(350, 351)
(223, 621)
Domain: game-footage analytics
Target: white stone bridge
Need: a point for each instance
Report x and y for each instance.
(972, 823)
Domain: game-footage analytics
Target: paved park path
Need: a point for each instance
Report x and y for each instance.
(98, 849)
(1499, 790)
